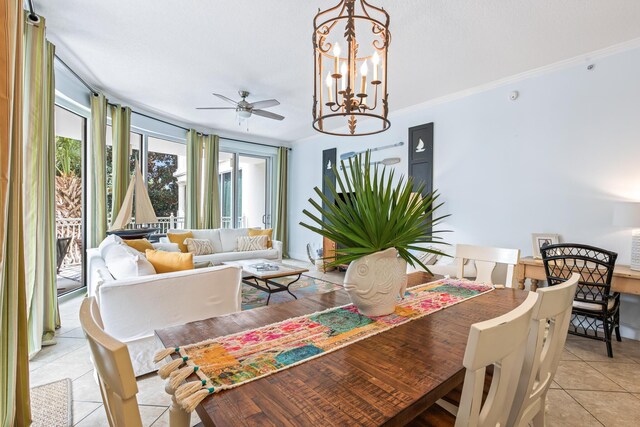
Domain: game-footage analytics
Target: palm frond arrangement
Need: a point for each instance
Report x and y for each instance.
(371, 213)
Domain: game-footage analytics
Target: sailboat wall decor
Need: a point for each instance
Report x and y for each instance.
(144, 213)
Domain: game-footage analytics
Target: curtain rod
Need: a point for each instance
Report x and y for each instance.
(32, 14)
(95, 92)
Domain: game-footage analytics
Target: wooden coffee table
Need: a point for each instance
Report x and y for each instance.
(263, 279)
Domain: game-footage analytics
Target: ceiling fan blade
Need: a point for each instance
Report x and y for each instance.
(215, 108)
(225, 98)
(267, 114)
(265, 104)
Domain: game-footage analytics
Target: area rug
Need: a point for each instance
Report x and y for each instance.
(236, 359)
(307, 285)
(51, 404)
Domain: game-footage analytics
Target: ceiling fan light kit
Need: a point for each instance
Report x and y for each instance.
(344, 91)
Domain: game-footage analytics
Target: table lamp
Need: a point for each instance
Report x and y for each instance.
(627, 214)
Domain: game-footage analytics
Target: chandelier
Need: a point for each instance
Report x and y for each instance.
(350, 43)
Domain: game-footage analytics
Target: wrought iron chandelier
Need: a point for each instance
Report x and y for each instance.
(348, 40)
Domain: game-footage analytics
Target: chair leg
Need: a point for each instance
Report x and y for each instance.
(618, 337)
(178, 417)
(607, 336)
(539, 419)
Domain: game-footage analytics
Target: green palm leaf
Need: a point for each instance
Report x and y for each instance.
(372, 211)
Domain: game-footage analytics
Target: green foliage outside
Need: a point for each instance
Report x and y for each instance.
(68, 157)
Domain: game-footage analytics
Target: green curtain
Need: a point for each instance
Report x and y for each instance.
(211, 194)
(39, 186)
(280, 228)
(14, 363)
(121, 128)
(97, 173)
(194, 165)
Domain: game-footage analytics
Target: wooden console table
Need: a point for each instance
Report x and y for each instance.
(625, 280)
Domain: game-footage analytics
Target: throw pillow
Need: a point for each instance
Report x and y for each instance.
(124, 262)
(199, 246)
(179, 238)
(255, 243)
(167, 247)
(259, 232)
(140, 245)
(107, 242)
(166, 262)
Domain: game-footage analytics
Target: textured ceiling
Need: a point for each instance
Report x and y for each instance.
(168, 56)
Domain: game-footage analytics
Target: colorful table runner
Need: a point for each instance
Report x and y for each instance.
(229, 361)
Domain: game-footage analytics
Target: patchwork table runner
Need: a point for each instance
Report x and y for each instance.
(229, 361)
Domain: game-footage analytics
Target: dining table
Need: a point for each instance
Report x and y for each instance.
(386, 379)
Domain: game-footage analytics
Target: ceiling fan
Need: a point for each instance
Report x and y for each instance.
(245, 109)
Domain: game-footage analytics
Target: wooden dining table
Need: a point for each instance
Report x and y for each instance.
(387, 379)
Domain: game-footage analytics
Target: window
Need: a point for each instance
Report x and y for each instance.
(243, 183)
(166, 176)
(135, 143)
(70, 130)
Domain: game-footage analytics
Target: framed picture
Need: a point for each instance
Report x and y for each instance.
(540, 240)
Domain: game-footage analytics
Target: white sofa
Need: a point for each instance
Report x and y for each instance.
(224, 242)
(133, 308)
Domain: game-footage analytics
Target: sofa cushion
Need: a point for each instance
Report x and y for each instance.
(211, 235)
(139, 245)
(167, 262)
(107, 242)
(165, 246)
(179, 238)
(260, 232)
(249, 243)
(236, 256)
(199, 246)
(124, 262)
(229, 238)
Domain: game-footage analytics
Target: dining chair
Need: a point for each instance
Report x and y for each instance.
(595, 307)
(114, 371)
(497, 343)
(485, 259)
(547, 336)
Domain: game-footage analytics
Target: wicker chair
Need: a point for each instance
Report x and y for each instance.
(596, 310)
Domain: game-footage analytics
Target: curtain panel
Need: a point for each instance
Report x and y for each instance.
(280, 229)
(120, 170)
(194, 164)
(211, 193)
(14, 365)
(39, 186)
(97, 173)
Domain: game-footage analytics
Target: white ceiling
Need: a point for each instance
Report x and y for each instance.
(167, 56)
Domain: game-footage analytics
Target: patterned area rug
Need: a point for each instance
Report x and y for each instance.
(236, 359)
(51, 404)
(307, 285)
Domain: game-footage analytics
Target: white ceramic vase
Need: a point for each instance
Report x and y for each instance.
(374, 282)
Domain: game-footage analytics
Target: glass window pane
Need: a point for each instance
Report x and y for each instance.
(252, 180)
(225, 174)
(135, 144)
(166, 177)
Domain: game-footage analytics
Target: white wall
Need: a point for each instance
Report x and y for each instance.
(555, 160)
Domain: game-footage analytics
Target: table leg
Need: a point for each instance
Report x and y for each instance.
(521, 283)
(534, 284)
(178, 417)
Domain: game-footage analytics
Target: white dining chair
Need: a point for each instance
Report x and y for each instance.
(486, 258)
(115, 373)
(547, 336)
(500, 343)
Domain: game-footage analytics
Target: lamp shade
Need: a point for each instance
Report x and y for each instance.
(627, 214)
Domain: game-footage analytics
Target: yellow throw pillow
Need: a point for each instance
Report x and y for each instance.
(179, 238)
(259, 232)
(166, 262)
(139, 245)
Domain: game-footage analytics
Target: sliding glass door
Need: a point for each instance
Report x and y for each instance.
(244, 190)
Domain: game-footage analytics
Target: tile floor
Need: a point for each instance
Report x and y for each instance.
(589, 388)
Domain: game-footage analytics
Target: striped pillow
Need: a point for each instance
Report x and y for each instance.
(199, 246)
(252, 243)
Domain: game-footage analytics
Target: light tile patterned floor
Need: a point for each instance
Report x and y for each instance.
(589, 388)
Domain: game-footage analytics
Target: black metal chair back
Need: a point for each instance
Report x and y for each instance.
(594, 265)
